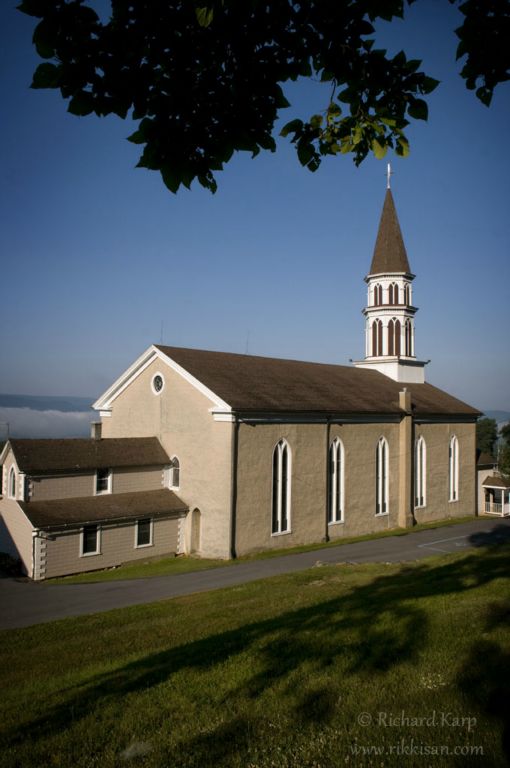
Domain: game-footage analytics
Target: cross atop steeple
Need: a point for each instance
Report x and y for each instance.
(389, 173)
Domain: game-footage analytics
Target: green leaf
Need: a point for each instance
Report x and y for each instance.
(32, 8)
(46, 76)
(428, 84)
(418, 109)
(294, 126)
(305, 152)
(379, 149)
(44, 39)
(402, 147)
(204, 17)
(485, 95)
(171, 178)
(136, 138)
(316, 122)
(81, 104)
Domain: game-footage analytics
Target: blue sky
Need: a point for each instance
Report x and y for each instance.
(100, 260)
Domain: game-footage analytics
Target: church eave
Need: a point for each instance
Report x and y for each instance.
(387, 273)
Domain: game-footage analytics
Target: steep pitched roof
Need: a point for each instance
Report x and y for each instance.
(389, 252)
(110, 507)
(484, 459)
(76, 454)
(265, 384)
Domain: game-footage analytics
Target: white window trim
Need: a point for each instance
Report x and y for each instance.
(12, 473)
(151, 528)
(154, 390)
(333, 484)
(420, 475)
(98, 542)
(453, 469)
(171, 474)
(382, 492)
(280, 445)
(110, 483)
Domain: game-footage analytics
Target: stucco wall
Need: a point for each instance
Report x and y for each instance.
(437, 439)
(16, 533)
(179, 416)
(308, 444)
(61, 552)
(309, 485)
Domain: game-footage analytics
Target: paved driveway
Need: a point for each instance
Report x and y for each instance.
(25, 603)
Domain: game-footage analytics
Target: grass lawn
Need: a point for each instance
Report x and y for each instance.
(334, 666)
(166, 566)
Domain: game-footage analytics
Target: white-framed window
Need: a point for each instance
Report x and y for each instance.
(90, 540)
(174, 473)
(158, 383)
(453, 469)
(420, 473)
(381, 477)
(282, 467)
(12, 484)
(103, 481)
(336, 482)
(144, 530)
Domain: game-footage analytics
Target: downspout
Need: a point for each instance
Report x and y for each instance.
(406, 462)
(233, 487)
(326, 484)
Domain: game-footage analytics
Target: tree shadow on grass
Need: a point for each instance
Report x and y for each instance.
(382, 622)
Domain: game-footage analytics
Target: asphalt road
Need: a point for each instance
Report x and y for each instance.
(24, 603)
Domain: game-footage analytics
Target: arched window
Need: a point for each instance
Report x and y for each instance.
(377, 295)
(408, 339)
(453, 469)
(393, 294)
(12, 483)
(407, 294)
(381, 475)
(420, 473)
(336, 482)
(377, 338)
(173, 480)
(281, 488)
(394, 337)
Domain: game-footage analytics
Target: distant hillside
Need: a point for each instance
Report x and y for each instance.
(46, 403)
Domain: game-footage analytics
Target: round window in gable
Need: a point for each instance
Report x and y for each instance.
(158, 383)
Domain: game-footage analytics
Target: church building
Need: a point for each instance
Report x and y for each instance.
(243, 453)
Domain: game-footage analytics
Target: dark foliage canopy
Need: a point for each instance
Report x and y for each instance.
(204, 77)
(486, 435)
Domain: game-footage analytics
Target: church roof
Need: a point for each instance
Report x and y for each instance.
(265, 384)
(93, 509)
(389, 252)
(49, 456)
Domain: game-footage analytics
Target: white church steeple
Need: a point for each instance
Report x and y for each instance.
(389, 314)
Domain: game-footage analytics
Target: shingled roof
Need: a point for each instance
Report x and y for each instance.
(272, 385)
(389, 252)
(110, 507)
(76, 454)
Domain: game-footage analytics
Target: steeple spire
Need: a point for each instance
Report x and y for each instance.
(389, 313)
(389, 252)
